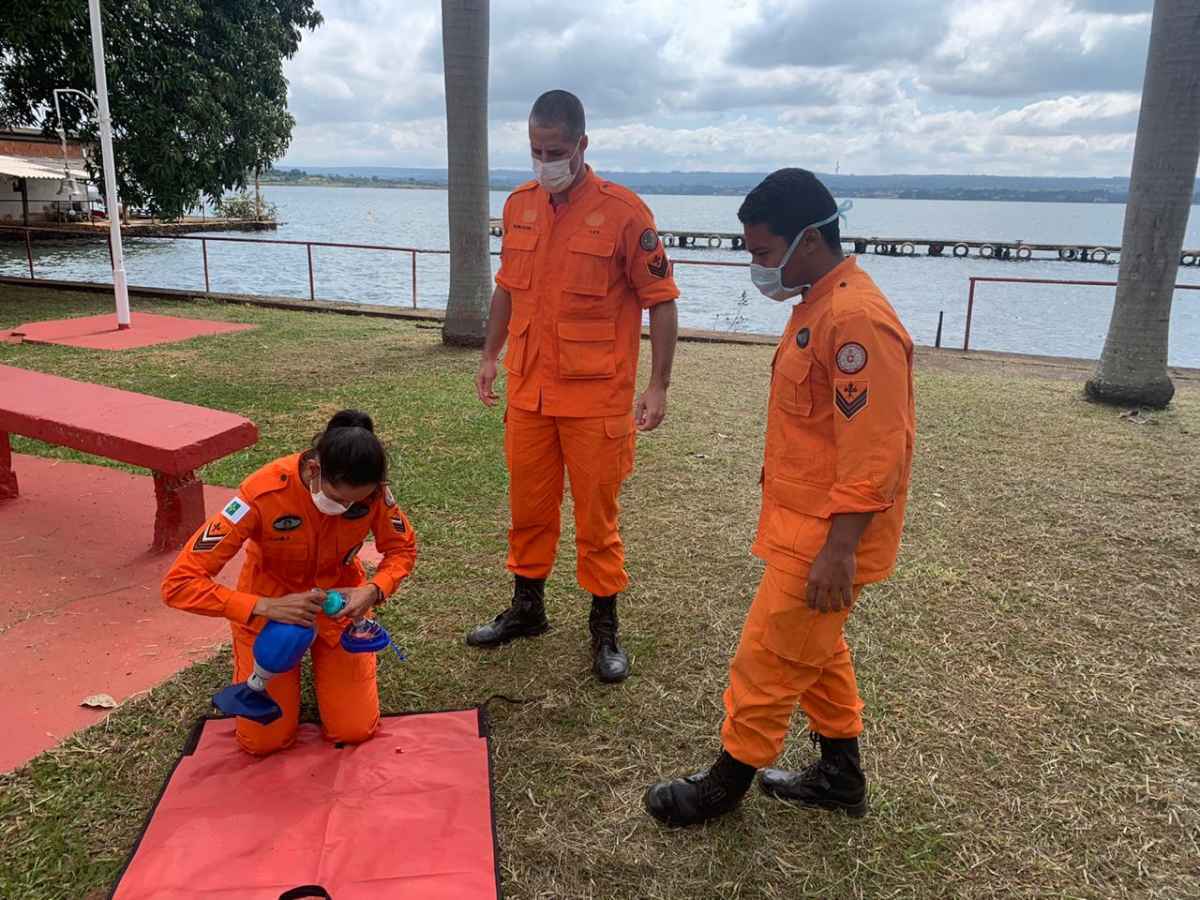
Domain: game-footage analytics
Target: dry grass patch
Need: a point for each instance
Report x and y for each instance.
(1031, 673)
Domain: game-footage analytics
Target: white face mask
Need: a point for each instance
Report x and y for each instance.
(769, 279)
(555, 176)
(324, 503)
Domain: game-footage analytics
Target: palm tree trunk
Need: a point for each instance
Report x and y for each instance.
(465, 49)
(1133, 366)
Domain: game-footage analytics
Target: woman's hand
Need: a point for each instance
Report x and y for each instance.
(359, 600)
(292, 609)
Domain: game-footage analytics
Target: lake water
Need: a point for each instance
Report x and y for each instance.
(1044, 319)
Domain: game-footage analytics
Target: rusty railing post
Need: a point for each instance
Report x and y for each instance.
(970, 312)
(204, 250)
(29, 254)
(414, 278)
(312, 287)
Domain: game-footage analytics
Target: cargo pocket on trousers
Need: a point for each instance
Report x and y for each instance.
(619, 436)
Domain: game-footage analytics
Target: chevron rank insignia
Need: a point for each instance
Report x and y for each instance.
(850, 397)
(659, 266)
(398, 524)
(214, 532)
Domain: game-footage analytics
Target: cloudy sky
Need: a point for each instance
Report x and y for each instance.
(1001, 87)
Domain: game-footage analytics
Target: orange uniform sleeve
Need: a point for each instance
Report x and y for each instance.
(394, 538)
(871, 384)
(647, 266)
(189, 584)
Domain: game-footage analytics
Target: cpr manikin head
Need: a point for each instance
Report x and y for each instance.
(347, 463)
(557, 140)
(790, 210)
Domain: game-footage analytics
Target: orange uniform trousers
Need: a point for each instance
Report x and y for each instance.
(347, 695)
(789, 655)
(597, 453)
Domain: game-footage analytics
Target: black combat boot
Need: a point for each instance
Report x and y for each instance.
(609, 662)
(834, 782)
(700, 797)
(526, 617)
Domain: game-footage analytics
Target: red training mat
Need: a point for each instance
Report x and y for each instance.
(408, 814)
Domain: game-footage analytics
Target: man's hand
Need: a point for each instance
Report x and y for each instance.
(292, 609)
(485, 380)
(651, 407)
(359, 600)
(831, 579)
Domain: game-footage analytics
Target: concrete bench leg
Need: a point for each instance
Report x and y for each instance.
(180, 509)
(8, 478)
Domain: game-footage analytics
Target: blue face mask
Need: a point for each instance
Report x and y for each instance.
(769, 279)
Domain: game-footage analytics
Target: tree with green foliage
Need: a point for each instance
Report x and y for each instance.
(196, 87)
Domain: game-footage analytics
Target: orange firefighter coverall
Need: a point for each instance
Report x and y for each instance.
(840, 433)
(292, 547)
(580, 275)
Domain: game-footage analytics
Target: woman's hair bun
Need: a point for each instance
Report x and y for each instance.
(351, 418)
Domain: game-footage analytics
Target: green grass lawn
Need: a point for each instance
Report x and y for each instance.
(1031, 673)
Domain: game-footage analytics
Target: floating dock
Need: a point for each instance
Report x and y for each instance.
(896, 246)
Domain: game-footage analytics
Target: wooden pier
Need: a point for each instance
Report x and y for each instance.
(894, 246)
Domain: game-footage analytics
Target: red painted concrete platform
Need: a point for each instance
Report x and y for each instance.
(101, 332)
(80, 610)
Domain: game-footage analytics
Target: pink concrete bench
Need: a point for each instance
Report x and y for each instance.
(171, 439)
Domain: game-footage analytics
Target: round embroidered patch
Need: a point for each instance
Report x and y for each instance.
(802, 338)
(648, 240)
(851, 358)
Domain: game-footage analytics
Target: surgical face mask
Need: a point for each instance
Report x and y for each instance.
(555, 176)
(324, 503)
(769, 279)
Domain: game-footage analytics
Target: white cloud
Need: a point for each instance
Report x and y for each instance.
(996, 86)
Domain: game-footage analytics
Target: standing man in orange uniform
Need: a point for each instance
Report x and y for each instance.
(581, 260)
(840, 432)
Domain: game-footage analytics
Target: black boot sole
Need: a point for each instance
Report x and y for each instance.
(535, 631)
(853, 810)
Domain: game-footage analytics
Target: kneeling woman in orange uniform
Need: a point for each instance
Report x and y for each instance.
(302, 520)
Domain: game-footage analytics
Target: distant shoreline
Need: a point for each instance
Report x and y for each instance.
(1099, 195)
(1033, 197)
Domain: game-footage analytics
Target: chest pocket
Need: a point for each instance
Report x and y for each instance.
(791, 384)
(286, 561)
(589, 264)
(517, 258)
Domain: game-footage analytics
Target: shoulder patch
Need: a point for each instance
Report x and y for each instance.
(389, 499)
(214, 532)
(659, 266)
(851, 357)
(850, 397)
(649, 240)
(235, 510)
